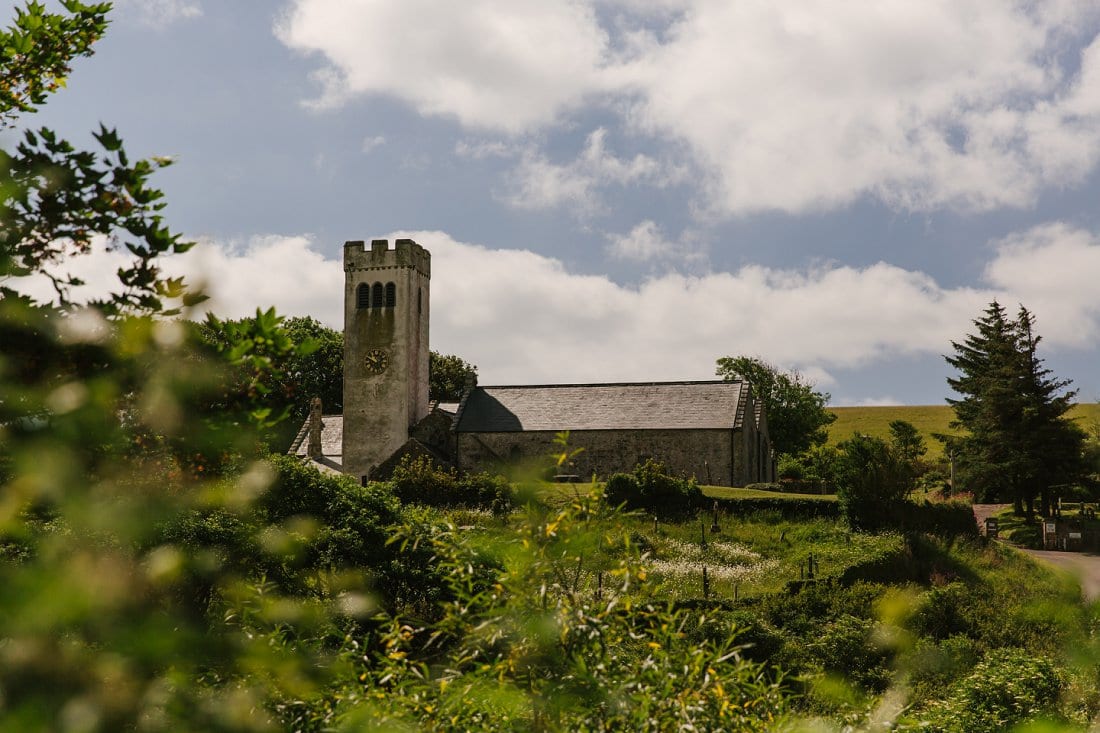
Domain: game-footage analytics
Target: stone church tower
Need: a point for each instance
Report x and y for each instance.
(385, 349)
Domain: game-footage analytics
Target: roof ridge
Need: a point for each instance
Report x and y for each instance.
(609, 384)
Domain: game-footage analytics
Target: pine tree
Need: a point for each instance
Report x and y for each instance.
(1055, 444)
(1019, 444)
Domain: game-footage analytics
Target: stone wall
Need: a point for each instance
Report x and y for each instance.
(704, 454)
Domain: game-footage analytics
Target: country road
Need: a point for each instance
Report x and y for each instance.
(1085, 566)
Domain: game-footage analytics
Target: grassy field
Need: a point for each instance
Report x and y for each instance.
(725, 492)
(555, 494)
(928, 419)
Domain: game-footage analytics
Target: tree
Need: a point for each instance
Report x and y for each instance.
(1018, 444)
(871, 481)
(56, 201)
(796, 414)
(312, 366)
(909, 447)
(101, 444)
(448, 377)
(320, 372)
(907, 441)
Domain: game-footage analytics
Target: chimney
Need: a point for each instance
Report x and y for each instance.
(314, 448)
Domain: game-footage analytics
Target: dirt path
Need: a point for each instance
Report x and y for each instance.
(1085, 566)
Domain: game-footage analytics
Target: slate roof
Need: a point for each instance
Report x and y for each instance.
(645, 406)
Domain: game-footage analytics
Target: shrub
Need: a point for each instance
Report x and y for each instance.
(871, 482)
(946, 519)
(790, 468)
(652, 489)
(846, 646)
(932, 666)
(783, 507)
(1007, 687)
(307, 521)
(420, 481)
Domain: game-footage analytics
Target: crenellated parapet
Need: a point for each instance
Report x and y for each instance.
(405, 253)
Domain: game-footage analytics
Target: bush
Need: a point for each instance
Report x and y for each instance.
(846, 646)
(790, 468)
(784, 507)
(1009, 686)
(420, 481)
(650, 488)
(871, 482)
(933, 666)
(308, 521)
(945, 519)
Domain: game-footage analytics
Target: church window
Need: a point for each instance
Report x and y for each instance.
(391, 295)
(362, 296)
(377, 296)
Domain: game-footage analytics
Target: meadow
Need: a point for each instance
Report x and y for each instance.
(940, 627)
(928, 419)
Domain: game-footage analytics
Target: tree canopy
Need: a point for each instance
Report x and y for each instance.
(1019, 445)
(795, 411)
(448, 377)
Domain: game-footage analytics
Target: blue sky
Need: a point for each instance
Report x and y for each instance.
(620, 190)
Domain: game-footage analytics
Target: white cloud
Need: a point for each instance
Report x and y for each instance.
(810, 105)
(238, 277)
(158, 14)
(1054, 270)
(538, 183)
(644, 242)
(792, 106)
(503, 66)
(481, 149)
(647, 243)
(370, 143)
(523, 318)
(877, 402)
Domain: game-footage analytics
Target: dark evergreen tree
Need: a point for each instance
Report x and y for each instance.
(1056, 455)
(1018, 443)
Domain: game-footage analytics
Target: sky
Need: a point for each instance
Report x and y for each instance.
(627, 191)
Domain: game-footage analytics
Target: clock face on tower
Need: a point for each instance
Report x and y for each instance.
(376, 361)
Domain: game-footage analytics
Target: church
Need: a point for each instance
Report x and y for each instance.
(713, 431)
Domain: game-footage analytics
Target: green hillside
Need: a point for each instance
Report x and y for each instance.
(928, 419)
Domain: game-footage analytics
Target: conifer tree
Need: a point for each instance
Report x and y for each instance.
(1019, 444)
(1056, 444)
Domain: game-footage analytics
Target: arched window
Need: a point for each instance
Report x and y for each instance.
(391, 295)
(362, 296)
(377, 296)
